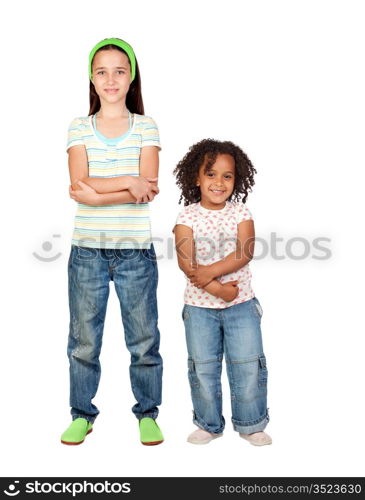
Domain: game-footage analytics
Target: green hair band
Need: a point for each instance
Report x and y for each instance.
(119, 43)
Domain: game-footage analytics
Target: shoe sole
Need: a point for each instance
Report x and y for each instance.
(256, 444)
(151, 443)
(70, 443)
(204, 441)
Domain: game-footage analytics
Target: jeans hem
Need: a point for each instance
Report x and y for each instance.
(250, 427)
(202, 425)
(147, 415)
(86, 417)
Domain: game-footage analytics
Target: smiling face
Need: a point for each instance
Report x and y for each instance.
(217, 184)
(111, 73)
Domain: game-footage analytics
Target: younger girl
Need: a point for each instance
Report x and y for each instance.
(215, 241)
(113, 163)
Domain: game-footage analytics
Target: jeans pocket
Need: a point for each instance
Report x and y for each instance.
(185, 313)
(69, 263)
(149, 253)
(262, 380)
(193, 379)
(257, 307)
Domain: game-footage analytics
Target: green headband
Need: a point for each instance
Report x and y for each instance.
(119, 43)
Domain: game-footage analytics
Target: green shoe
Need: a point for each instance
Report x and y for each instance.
(150, 432)
(76, 432)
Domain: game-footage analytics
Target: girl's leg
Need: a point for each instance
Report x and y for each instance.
(88, 285)
(135, 278)
(246, 366)
(205, 349)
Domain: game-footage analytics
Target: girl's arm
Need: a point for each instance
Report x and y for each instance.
(185, 249)
(135, 189)
(149, 162)
(233, 262)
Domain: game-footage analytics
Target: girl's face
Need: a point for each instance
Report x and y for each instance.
(111, 75)
(217, 184)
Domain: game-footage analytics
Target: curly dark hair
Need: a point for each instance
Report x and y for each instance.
(187, 169)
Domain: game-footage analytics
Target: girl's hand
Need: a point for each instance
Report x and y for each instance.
(85, 194)
(143, 189)
(229, 291)
(200, 276)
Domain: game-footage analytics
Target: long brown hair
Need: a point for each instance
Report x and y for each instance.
(134, 101)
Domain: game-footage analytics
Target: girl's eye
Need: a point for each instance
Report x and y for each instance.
(120, 71)
(210, 174)
(228, 177)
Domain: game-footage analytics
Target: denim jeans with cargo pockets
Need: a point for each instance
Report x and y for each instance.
(135, 276)
(234, 332)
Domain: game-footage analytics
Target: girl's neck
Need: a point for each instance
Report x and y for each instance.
(112, 112)
(211, 206)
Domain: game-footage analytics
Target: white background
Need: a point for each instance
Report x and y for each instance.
(283, 79)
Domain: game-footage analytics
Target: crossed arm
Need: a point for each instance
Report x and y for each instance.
(112, 190)
(204, 276)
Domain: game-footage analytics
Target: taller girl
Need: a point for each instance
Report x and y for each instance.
(113, 163)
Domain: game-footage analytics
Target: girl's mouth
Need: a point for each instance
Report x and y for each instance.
(217, 191)
(111, 91)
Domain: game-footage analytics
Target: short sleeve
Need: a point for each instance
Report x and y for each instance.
(184, 218)
(150, 134)
(74, 136)
(242, 213)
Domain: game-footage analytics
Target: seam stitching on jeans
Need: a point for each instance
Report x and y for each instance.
(241, 361)
(206, 362)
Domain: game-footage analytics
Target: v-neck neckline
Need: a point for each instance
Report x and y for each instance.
(124, 137)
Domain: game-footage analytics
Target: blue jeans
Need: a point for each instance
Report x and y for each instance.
(236, 332)
(135, 277)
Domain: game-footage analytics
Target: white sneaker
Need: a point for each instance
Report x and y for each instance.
(257, 438)
(202, 437)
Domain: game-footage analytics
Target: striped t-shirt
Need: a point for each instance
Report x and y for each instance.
(125, 225)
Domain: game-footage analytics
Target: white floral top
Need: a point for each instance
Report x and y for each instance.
(215, 237)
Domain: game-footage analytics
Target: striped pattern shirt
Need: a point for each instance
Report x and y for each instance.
(125, 225)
